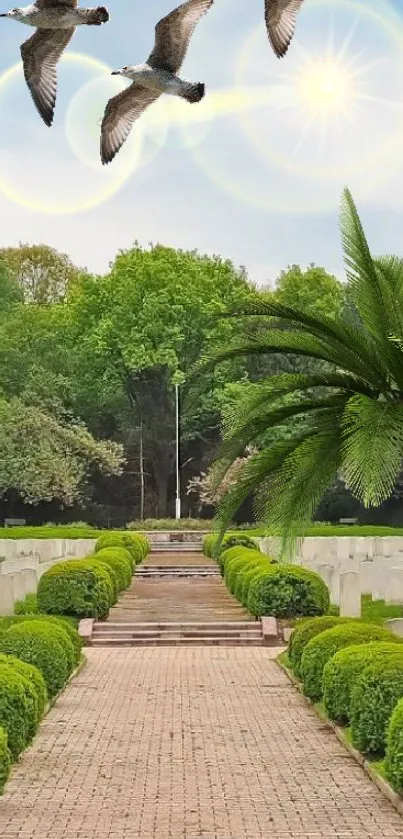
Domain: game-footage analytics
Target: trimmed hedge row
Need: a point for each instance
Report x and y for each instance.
(266, 588)
(357, 669)
(322, 647)
(230, 540)
(37, 656)
(89, 587)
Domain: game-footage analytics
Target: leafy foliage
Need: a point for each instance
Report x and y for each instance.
(394, 748)
(78, 588)
(350, 402)
(306, 629)
(373, 699)
(342, 671)
(37, 643)
(5, 759)
(43, 459)
(322, 647)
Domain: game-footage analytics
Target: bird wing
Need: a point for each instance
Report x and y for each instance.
(281, 18)
(120, 114)
(49, 4)
(40, 55)
(173, 34)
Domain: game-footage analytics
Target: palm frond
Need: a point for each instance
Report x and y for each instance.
(253, 425)
(298, 343)
(255, 471)
(335, 331)
(300, 484)
(258, 394)
(368, 286)
(372, 447)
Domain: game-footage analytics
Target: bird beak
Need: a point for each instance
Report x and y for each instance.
(3, 14)
(114, 72)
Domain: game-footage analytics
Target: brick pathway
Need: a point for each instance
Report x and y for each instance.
(177, 599)
(189, 744)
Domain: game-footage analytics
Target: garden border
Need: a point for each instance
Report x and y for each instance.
(395, 799)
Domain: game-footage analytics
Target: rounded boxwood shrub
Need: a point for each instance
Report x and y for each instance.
(64, 623)
(5, 759)
(130, 541)
(77, 587)
(17, 709)
(246, 575)
(373, 700)
(246, 559)
(30, 672)
(120, 562)
(304, 631)
(321, 648)
(36, 644)
(340, 674)
(394, 749)
(287, 591)
(207, 544)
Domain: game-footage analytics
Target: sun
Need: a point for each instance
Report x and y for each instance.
(326, 87)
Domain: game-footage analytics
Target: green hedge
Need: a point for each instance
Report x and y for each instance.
(394, 749)
(5, 759)
(373, 700)
(230, 540)
(320, 650)
(341, 673)
(17, 709)
(244, 579)
(30, 672)
(79, 588)
(87, 532)
(66, 624)
(120, 561)
(287, 591)
(36, 643)
(27, 606)
(239, 560)
(135, 543)
(306, 629)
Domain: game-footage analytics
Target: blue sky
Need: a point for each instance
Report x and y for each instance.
(253, 173)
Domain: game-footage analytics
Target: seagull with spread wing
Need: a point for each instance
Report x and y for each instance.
(158, 75)
(281, 19)
(55, 22)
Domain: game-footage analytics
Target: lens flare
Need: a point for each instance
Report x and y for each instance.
(64, 188)
(331, 118)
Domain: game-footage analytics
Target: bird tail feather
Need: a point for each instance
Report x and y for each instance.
(192, 92)
(98, 16)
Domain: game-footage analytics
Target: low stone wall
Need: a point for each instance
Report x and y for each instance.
(351, 566)
(23, 561)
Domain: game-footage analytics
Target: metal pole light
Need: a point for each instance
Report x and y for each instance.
(178, 489)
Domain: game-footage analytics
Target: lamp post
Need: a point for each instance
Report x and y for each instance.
(177, 379)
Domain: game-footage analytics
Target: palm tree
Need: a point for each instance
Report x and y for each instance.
(349, 406)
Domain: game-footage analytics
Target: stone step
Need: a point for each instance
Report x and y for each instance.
(177, 626)
(178, 640)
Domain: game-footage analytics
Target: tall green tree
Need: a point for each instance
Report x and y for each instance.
(43, 459)
(42, 273)
(352, 411)
(134, 329)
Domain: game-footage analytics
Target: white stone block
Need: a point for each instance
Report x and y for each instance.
(350, 595)
(394, 585)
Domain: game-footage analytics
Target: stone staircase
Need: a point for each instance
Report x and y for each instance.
(219, 633)
(172, 547)
(177, 572)
(178, 598)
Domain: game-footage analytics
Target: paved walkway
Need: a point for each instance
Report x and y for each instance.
(189, 744)
(191, 599)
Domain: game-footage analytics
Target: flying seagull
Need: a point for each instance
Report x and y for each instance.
(55, 22)
(158, 75)
(281, 19)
